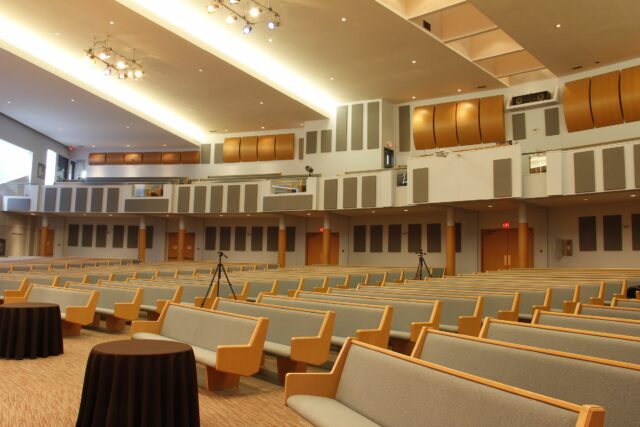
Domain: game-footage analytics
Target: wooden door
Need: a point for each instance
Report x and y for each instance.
(48, 248)
(172, 246)
(314, 249)
(189, 246)
(500, 249)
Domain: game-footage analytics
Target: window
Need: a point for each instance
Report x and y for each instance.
(414, 237)
(434, 238)
(87, 235)
(148, 244)
(394, 238)
(101, 236)
(240, 238)
(50, 171)
(225, 238)
(375, 240)
(537, 163)
(15, 163)
(272, 239)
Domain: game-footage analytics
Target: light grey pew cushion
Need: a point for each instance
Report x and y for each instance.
(611, 312)
(598, 325)
(325, 412)
(64, 298)
(202, 355)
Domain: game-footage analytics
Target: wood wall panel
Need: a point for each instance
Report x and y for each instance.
(444, 124)
(468, 122)
(152, 158)
(492, 119)
(249, 149)
(605, 99)
(114, 159)
(577, 105)
(170, 158)
(423, 136)
(190, 157)
(231, 150)
(97, 158)
(132, 158)
(267, 147)
(285, 146)
(630, 93)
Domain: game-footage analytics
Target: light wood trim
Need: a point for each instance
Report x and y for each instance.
(231, 150)
(19, 292)
(422, 126)
(605, 99)
(512, 314)
(266, 147)
(616, 299)
(285, 146)
(492, 119)
(577, 106)
(82, 315)
(249, 149)
(630, 93)
(468, 122)
(444, 124)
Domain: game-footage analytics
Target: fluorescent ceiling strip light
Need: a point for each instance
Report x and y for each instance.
(72, 67)
(193, 24)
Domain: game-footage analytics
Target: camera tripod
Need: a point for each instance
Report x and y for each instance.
(421, 263)
(218, 272)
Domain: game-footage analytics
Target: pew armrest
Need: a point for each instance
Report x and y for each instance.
(569, 306)
(82, 315)
(416, 327)
(511, 315)
(469, 325)
(149, 326)
(311, 384)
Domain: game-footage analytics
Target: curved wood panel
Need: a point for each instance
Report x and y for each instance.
(190, 157)
(133, 158)
(249, 149)
(444, 124)
(231, 150)
(630, 93)
(422, 124)
(267, 147)
(114, 159)
(577, 105)
(170, 158)
(152, 158)
(468, 122)
(284, 146)
(492, 119)
(605, 99)
(97, 158)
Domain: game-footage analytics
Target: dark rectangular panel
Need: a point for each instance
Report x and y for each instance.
(359, 238)
(256, 239)
(97, 195)
(148, 243)
(519, 126)
(369, 191)
(146, 205)
(65, 200)
(101, 236)
(357, 117)
(325, 141)
(240, 239)
(635, 232)
(132, 237)
(341, 127)
(404, 127)
(331, 194)
(434, 238)
(502, 178)
(215, 204)
(209, 238)
(636, 164)
(420, 184)
(312, 142)
(458, 237)
(118, 236)
(184, 194)
(81, 200)
(414, 237)
(290, 233)
(300, 148)
(551, 122)
(349, 193)
(225, 238)
(205, 154)
(87, 235)
(72, 235)
(584, 172)
(394, 238)
(373, 125)
(251, 198)
(113, 196)
(218, 153)
(287, 203)
(272, 239)
(233, 198)
(375, 238)
(50, 195)
(200, 198)
(18, 204)
(587, 233)
(613, 169)
(612, 232)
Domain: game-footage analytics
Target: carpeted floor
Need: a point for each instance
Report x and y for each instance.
(46, 392)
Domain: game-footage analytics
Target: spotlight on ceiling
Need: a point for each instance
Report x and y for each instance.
(273, 24)
(234, 1)
(250, 12)
(231, 19)
(255, 11)
(247, 28)
(214, 6)
(115, 62)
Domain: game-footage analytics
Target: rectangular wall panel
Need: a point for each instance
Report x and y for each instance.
(312, 142)
(132, 158)
(414, 238)
(81, 200)
(287, 203)
(373, 125)
(300, 148)
(18, 205)
(240, 239)
(113, 199)
(587, 233)
(468, 122)
(350, 193)
(215, 203)
(101, 236)
(584, 172)
(256, 239)
(272, 239)
(184, 195)
(251, 198)
(613, 168)
(357, 123)
(612, 232)
(360, 238)
(404, 128)
(630, 93)
(146, 205)
(65, 200)
(290, 239)
(458, 227)
(267, 147)
(519, 126)
(205, 154)
(394, 238)
(331, 194)
(148, 237)
(218, 154)
(132, 236)
(369, 191)
(492, 119)
(444, 125)
(50, 195)
(375, 238)
(325, 141)
(420, 184)
(551, 121)
(249, 149)
(605, 99)
(502, 178)
(422, 124)
(210, 238)
(73, 235)
(635, 232)
(233, 198)
(225, 238)
(87, 235)
(200, 198)
(231, 150)
(152, 158)
(118, 236)
(434, 238)
(341, 127)
(577, 105)
(285, 146)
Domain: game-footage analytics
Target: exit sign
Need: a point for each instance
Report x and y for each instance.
(506, 224)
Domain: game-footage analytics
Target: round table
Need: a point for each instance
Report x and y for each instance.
(30, 330)
(140, 383)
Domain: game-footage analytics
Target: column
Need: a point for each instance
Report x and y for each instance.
(450, 269)
(282, 242)
(142, 239)
(325, 257)
(523, 236)
(182, 234)
(44, 233)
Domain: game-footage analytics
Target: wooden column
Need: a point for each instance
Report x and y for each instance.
(44, 232)
(182, 234)
(326, 240)
(282, 242)
(142, 239)
(450, 268)
(523, 236)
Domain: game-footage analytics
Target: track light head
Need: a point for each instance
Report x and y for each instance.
(247, 28)
(138, 73)
(107, 71)
(234, 1)
(272, 24)
(231, 19)
(255, 11)
(214, 6)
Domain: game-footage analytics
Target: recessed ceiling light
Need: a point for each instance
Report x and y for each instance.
(226, 130)
(558, 25)
(73, 100)
(8, 102)
(57, 34)
(128, 127)
(221, 215)
(343, 19)
(405, 210)
(330, 78)
(301, 124)
(110, 214)
(413, 97)
(111, 22)
(200, 70)
(93, 146)
(585, 199)
(261, 127)
(373, 211)
(248, 214)
(459, 90)
(490, 206)
(308, 214)
(413, 61)
(270, 40)
(261, 102)
(128, 145)
(164, 145)
(633, 195)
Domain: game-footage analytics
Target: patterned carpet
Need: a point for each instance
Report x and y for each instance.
(46, 392)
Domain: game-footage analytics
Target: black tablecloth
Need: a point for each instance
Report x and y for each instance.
(30, 330)
(140, 383)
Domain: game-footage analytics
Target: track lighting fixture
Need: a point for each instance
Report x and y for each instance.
(247, 28)
(251, 12)
(115, 62)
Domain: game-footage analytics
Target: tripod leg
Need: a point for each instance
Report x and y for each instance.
(228, 282)
(422, 261)
(204, 300)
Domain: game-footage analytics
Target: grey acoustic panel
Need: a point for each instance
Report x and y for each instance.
(341, 127)
(184, 194)
(551, 121)
(584, 172)
(50, 195)
(287, 203)
(101, 236)
(357, 122)
(404, 128)
(331, 194)
(118, 236)
(81, 200)
(19, 204)
(233, 198)
(215, 204)
(218, 153)
(256, 239)
(502, 186)
(636, 164)
(613, 169)
(272, 239)
(300, 148)
(148, 241)
(414, 237)
(205, 154)
(240, 240)
(209, 238)
(420, 181)
(360, 238)
(146, 205)
(434, 237)
(635, 232)
(132, 237)
(73, 235)
(312, 142)
(87, 235)
(369, 190)
(394, 238)
(587, 233)
(251, 198)
(519, 125)
(113, 197)
(325, 141)
(290, 239)
(612, 232)
(225, 238)
(373, 125)
(349, 193)
(200, 198)
(375, 238)
(65, 200)
(458, 227)
(97, 194)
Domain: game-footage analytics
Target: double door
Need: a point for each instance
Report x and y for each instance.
(189, 246)
(314, 249)
(500, 249)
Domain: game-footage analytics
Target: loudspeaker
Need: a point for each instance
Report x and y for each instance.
(531, 97)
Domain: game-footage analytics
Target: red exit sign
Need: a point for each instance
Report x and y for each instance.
(506, 224)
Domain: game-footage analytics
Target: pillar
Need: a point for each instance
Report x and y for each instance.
(326, 240)
(182, 234)
(142, 239)
(450, 268)
(523, 236)
(44, 233)
(282, 242)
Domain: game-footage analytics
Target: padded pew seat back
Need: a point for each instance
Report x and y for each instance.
(602, 311)
(257, 286)
(588, 323)
(611, 288)
(393, 276)
(107, 296)
(42, 280)
(10, 284)
(333, 281)
(628, 303)
(166, 273)
(312, 282)
(63, 297)
(144, 274)
(22, 268)
(559, 295)
(588, 291)
(121, 277)
(63, 279)
(375, 278)
(287, 284)
(95, 278)
(356, 278)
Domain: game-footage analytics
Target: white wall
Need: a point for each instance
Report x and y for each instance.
(17, 232)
